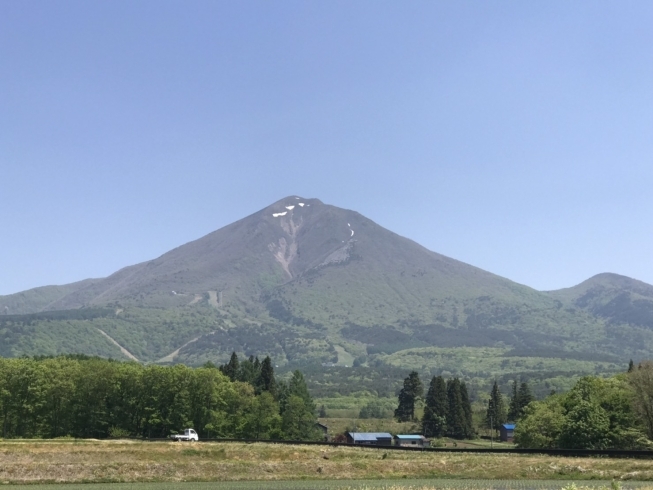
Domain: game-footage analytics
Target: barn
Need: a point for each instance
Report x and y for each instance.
(410, 440)
(370, 438)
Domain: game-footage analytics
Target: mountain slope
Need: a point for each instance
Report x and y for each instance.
(278, 246)
(618, 299)
(39, 299)
(309, 282)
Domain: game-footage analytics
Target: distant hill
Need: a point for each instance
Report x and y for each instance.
(38, 299)
(618, 299)
(310, 283)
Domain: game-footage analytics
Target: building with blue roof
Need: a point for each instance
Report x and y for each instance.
(370, 438)
(507, 432)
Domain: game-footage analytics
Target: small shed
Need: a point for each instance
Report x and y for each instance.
(370, 438)
(410, 440)
(507, 432)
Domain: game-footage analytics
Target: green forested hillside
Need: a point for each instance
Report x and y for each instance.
(38, 299)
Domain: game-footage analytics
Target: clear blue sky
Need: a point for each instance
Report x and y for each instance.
(516, 136)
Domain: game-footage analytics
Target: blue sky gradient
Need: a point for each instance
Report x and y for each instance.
(514, 136)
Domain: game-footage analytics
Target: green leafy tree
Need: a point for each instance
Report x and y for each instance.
(596, 413)
(297, 387)
(372, 410)
(408, 396)
(641, 381)
(541, 425)
(264, 419)
(298, 421)
(82, 396)
(586, 426)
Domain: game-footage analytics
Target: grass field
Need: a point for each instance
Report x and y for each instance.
(129, 461)
(351, 485)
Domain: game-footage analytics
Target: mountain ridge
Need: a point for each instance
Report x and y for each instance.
(309, 282)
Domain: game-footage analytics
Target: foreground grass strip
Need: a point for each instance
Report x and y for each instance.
(348, 485)
(131, 462)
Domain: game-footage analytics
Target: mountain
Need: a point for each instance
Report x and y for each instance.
(38, 299)
(617, 299)
(307, 282)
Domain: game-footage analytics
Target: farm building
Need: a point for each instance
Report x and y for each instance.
(507, 432)
(411, 440)
(370, 438)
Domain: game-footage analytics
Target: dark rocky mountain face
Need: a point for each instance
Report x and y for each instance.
(309, 282)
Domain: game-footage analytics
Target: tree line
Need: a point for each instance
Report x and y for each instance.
(498, 414)
(447, 407)
(597, 413)
(448, 410)
(84, 397)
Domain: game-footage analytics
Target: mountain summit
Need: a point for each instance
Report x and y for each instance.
(292, 244)
(306, 281)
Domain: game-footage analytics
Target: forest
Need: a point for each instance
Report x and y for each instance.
(89, 397)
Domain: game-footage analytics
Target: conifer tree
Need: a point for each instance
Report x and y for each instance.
(434, 421)
(232, 368)
(467, 410)
(456, 420)
(525, 397)
(409, 394)
(496, 409)
(247, 373)
(298, 387)
(266, 381)
(631, 366)
(521, 397)
(513, 407)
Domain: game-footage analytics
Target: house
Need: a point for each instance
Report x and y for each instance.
(370, 438)
(411, 440)
(507, 432)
